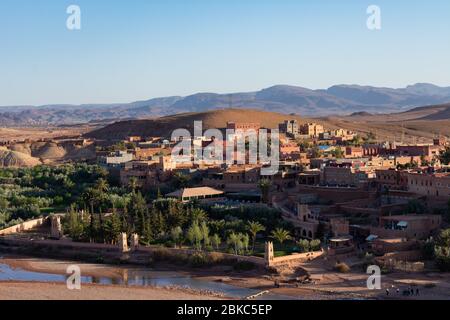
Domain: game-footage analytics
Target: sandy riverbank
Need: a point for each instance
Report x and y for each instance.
(59, 291)
(331, 286)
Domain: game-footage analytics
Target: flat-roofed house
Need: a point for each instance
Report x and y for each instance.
(435, 185)
(415, 226)
(201, 194)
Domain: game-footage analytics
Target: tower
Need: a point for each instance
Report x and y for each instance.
(269, 253)
(123, 243)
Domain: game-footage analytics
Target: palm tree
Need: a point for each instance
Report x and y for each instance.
(198, 215)
(90, 197)
(254, 228)
(265, 185)
(132, 183)
(102, 185)
(281, 235)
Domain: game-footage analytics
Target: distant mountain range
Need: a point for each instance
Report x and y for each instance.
(336, 100)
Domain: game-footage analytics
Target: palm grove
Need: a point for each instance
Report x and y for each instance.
(98, 210)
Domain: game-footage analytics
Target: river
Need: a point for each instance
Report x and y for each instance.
(137, 277)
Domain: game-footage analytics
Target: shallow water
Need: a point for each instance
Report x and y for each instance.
(138, 278)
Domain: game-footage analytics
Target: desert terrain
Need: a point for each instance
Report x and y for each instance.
(36, 133)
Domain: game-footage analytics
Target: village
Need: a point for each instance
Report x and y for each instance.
(339, 202)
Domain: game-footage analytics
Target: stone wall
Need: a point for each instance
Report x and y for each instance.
(22, 227)
(336, 195)
(406, 261)
(272, 261)
(296, 258)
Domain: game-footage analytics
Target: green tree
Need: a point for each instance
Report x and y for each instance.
(137, 210)
(112, 228)
(315, 245)
(102, 185)
(304, 245)
(74, 226)
(176, 234)
(254, 228)
(280, 235)
(357, 141)
(370, 138)
(442, 251)
(216, 241)
(205, 234)
(337, 153)
(264, 185)
(444, 157)
(315, 152)
(159, 195)
(235, 240)
(195, 235)
(132, 184)
(245, 242)
(198, 215)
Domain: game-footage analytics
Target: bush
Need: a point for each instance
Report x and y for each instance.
(199, 259)
(216, 258)
(161, 254)
(315, 245)
(342, 267)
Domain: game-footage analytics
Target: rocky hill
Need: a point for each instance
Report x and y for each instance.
(164, 126)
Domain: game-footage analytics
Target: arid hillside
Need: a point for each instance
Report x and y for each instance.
(211, 119)
(35, 133)
(418, 125)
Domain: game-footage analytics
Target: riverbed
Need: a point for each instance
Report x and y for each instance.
(45, 271)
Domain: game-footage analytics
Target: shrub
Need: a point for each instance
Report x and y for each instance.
(216, 258)
(315, 245)
(303, 245)
(199, 259)
(342, 267)
(161, 254)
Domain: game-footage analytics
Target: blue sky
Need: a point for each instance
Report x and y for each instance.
(139, 49)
